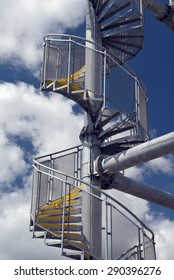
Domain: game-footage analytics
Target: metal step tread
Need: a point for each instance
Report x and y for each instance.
(103, 17)
(71, 202)
(119, 22)
(59, 211)
(82, 99)
(106, 116)
(57, 234)
(113, 130)
(67, 245)
(58, 219)
(55, 226)
(120, 17)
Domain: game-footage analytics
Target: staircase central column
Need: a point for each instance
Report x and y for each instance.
(91, 207)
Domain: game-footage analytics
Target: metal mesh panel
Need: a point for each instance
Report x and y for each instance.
(122, 240)
(77, 66)
(91, 204)
(121, 90)
(117, 241)
(54, 56)
(68, 162)
(43, 185)
(149, 249)
(65, 164)
(142, 109)
(34, 194)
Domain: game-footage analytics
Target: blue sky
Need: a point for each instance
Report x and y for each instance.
(33, 124)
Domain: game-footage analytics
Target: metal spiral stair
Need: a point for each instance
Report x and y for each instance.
(56, 213)
(121, 26)
(61, 219)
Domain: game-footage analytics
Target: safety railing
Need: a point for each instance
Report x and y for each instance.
(65, 70)
(124, 236)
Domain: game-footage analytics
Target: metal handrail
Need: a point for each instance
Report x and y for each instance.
(101, 50)
(56, 153)
(128, 251)
(92, 187)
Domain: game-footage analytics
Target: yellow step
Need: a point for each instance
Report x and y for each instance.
(68, 235)
(79, 245)
(56, 226)
(60, 201)
(55, 204)
(59, 218)
(53, 211)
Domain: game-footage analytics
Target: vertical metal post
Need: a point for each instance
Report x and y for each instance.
(39, 174)
(51, 178)
(34, 202)
(111, 244)
(63, 216)
(104, 79)
(139, 244)
(69, 64)
(106, 230)
(136, 105)
(91, 206)
(57, 64)
(44, 66)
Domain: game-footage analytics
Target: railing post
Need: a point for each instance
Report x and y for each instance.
(63, 217)
(139, 244)
(111, 245)
(34, 195)
(44, 66)
(104, 78)
(69, 64)
(106, 230)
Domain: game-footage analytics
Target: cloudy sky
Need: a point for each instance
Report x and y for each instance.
(32, 123)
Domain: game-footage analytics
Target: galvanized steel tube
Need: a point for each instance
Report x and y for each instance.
(152, 194)
(155, 148)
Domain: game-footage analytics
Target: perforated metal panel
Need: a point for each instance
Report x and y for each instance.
(149, 248)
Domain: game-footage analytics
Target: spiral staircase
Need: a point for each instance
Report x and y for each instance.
(121, 26)
(56, 209)
(56, 213)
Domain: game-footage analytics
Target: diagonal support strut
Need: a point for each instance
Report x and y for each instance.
(152, 194)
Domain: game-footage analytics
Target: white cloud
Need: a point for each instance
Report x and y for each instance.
(16, 240)
(164, 165)
(135, 172)
(49, 124)
(162, 226)
(163, 229)
(24, 23)
(44, 122)
(10, 155)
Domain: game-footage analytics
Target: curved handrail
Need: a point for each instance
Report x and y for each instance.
(93, 187)
(55, 153)
(128, 251)
(101, 49)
